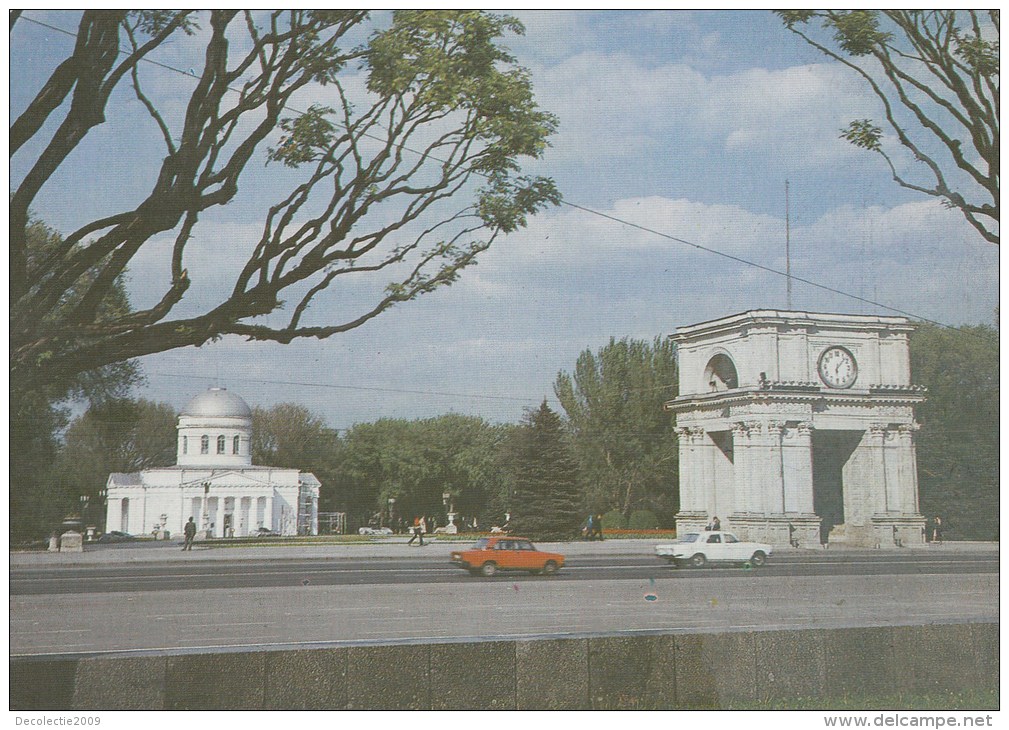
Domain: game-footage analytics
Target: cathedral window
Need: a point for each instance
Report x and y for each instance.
(185, 444)
(204, 444)
(234, 445)
(220, 444)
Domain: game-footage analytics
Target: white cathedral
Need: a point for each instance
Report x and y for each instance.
(214, 481)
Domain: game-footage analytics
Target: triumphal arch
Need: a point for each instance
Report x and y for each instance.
(798, 427)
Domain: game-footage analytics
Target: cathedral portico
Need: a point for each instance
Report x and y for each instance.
(799, 427)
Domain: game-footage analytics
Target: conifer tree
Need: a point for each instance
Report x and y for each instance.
(546, 504)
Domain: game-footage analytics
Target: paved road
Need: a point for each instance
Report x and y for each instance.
(287, 572)
(131, 601)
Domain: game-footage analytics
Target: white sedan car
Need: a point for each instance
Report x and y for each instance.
(699, 548)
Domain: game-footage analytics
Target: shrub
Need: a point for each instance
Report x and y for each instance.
(642, 519)
(614, 520)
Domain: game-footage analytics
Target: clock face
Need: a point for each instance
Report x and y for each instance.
(837, 368)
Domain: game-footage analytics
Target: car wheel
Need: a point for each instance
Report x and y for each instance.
(698, 561)
(758, 559)
(550, 568)
(488, 569)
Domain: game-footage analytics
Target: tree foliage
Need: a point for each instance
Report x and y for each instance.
(622, 438)
(38, 414)
(112, 435)
(416, 462)
(290, 436)
(937, 74)
(958, 444)
(546, 503)
(447, 115)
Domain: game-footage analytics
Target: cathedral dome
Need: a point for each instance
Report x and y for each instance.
(217, 403)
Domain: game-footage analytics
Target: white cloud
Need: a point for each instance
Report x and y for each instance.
(498, 338)
(620, 108)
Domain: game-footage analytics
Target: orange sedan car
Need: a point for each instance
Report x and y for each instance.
(506, 552)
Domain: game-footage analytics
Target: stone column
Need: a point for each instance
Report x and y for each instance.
(893, 459)
(873, 489)
(741, 450)
(704, 483)
(798, 468)
(687, 492)
(691, 514)
(773, 471)
(907, 494)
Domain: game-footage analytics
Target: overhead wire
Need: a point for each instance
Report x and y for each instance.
(586, 209)
(576, 206)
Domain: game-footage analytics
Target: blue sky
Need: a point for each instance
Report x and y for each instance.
(687, 123)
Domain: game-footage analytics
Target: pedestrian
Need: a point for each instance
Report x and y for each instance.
(597, 526)
(418, 531)
(190, 532)
(716, 524)
(588, 529)
(937, 530)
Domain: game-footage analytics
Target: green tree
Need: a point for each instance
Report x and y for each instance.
(289, 435)
(113, 435)
(417, 462)
(408, 182)
(622, 438)
(958, 444)
(937, 74)
(39, 413)
(545, 501)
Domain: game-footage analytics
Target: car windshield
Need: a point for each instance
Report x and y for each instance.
(729, 537)
(689, 537)
(481, 543)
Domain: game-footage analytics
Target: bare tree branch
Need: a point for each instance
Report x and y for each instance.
(446, 115)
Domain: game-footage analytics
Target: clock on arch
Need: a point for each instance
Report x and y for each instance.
(837, 367)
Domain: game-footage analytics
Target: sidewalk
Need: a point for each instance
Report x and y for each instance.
(394, 548)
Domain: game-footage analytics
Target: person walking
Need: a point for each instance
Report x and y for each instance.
(597, 527)
(937, 530)
(190, 532)
(716, 524)
(418, 530)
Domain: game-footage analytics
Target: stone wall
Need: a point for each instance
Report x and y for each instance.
(649, 671)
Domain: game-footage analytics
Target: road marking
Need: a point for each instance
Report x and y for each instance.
(243, 623)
